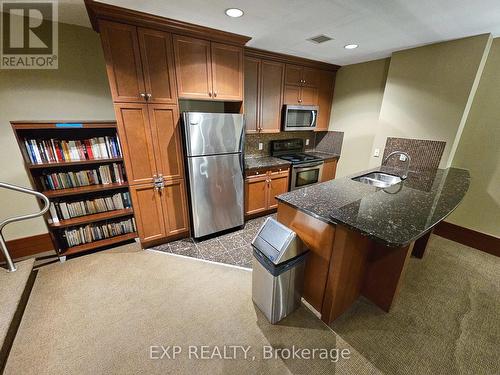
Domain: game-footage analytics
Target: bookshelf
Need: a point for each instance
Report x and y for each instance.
(78, 165)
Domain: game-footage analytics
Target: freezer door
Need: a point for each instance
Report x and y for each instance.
(216, 189)
(213, 133)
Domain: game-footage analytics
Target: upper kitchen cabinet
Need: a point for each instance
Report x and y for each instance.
(252, 91)
(193, 67)
(301, 76)
(263, 95)
(301, 95)
(325, 98)
(139, 62)
(208, 70)
(158, 66)
(227, 72)
(123, 61)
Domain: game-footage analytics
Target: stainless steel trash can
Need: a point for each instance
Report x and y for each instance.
(278, 270)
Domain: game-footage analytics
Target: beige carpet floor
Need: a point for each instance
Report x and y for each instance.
(445, 321)
(12, 285)
(101, 313)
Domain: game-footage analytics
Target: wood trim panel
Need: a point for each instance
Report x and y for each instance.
(280, 57)
(97, 10)
(319, 238)
(28, 246)
(384, 273)
(420, 245)
(469, 237)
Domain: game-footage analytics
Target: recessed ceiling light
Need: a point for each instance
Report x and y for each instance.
(350, 46)
(234, 12)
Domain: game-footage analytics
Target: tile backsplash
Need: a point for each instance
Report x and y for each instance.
(321, 141)
(252, 141)
(425, 154)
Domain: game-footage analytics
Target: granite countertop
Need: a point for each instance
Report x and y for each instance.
(258, 162)
(394, 216)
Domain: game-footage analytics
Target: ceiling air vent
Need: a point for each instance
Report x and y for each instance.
(320, 39)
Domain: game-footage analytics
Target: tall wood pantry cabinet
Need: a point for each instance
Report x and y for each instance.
(141, 73)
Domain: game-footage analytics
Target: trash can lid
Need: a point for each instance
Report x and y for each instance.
(277, 242)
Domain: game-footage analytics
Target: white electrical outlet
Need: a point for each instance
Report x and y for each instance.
(376, 153)
(307, 142)
(261, 146)
(402, 157)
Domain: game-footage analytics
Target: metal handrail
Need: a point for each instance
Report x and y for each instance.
(3, 246)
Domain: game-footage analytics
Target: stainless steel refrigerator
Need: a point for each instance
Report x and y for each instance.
(214, 153)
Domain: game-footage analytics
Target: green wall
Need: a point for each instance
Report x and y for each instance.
(78, 90)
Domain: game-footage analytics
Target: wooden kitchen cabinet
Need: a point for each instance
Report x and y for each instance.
(158, 66)
(208, 70)
(260, 189)
(300, 95)
(301, 85)
(278, 185)
(123, 61)
(227, 72)
(137, 143)
(160, 213)
(175, 208)
(256, 194)
(148, 212)
(263, 95)
(139, 63)
(252, 92)
(165, 129)
(325, 98)
(329, 170)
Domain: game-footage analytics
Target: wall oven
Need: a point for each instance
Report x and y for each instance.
(306, 174)
(300, 117)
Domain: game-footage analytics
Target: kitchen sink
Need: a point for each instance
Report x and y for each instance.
(378, 179)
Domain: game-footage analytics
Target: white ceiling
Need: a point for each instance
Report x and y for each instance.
(380, 27)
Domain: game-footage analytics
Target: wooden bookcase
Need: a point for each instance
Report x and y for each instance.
(73, 130)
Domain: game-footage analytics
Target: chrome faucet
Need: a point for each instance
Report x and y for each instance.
(408, 159)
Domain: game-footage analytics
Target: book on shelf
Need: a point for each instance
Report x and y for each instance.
(68, 210)
(94, 232)
(43, 151)
(104, 175)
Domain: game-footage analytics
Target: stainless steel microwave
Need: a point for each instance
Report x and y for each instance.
(300, 117)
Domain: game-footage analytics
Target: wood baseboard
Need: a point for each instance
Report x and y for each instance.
(469, 237)
(28, 246)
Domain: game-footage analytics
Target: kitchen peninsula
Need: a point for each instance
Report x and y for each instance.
(361, 236)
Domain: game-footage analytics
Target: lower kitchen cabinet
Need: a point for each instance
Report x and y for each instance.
(329, 169)
(260, 189)
(160, 213)
(175, 211)
(148, 212)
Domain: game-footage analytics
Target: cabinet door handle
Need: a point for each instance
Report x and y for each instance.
(210, 93)
(215, 94)
(148, 96)
(143, 95)
(300, 100)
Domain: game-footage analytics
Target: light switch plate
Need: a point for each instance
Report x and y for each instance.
(307, 142)
(376, 153)
(261, 146)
